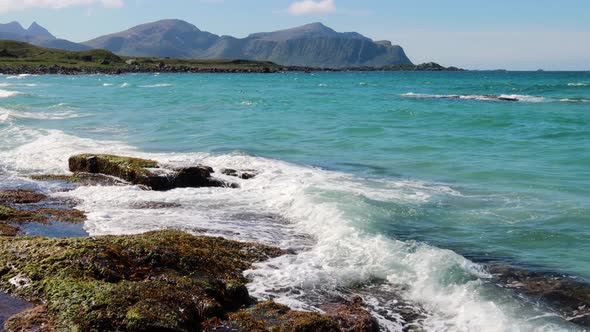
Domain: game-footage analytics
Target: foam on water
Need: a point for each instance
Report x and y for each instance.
(8, 114)
(303, 208)
(7, 93)
(578, 84)
(500, 97)
(161, 85)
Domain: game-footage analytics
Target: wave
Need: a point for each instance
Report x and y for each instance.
(5, 85)
(322, 215)
(162, 85)
(7, 93)
(125, 85)
(501, 97)
(7, 114)
(578, 84)
(107, 84)
(20, 76)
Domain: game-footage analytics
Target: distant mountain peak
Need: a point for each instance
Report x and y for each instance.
(12, 27)
(36, 30)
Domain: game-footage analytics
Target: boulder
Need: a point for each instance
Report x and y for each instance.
(146, 172)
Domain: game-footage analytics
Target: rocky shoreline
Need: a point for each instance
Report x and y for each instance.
(175, 69)
(170, 280)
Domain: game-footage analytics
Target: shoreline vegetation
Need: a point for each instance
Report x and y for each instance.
(22, 58)
(174, 281)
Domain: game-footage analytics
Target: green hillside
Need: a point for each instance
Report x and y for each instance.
(18, 56)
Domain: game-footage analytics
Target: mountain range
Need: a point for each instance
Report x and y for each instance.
(311, 45)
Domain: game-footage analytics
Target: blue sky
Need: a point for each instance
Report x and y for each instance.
(474, 34)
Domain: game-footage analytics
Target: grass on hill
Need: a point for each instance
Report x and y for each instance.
(15, 54)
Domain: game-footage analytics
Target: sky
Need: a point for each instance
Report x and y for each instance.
(472, 34)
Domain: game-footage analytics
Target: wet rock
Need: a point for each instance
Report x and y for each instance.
(20, 196)
(10, 306)
(242, 174)
(154, 205)
(34, 319)
(351, 316)
(569, 297)
(64, 215)
(81, 179)
(158, 281)
(12, 215)
(271, 316)
(145, 172)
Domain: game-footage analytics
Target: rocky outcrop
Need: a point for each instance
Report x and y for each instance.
(165, 281)
(145, 172)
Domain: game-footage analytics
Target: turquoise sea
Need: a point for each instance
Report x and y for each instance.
(403, 182)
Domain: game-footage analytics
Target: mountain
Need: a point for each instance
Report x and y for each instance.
(313, 45)
(37, 35)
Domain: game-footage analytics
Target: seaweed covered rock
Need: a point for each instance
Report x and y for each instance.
(271, 316)
(571, 297)
(165, 280)
(145, 172)
(11, 219)
(20, 196)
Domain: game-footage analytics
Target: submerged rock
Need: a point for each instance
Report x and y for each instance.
(271, 316)
(242, 174)
(145, 172)
(20, 196)
(569, 297)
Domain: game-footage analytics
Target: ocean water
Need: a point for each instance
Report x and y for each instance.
(402, 183)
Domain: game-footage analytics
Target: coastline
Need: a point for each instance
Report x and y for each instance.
(235, 68)
(562, 293)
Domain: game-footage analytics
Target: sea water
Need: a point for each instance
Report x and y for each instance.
(380, 183)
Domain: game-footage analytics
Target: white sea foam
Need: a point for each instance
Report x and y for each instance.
(578, 84)
(7, 93)
(8, 114)
(125, 85)
(107, 84)
(321, 214)
(501, 97)
(161, 85)
(20, 76)
(5, 85)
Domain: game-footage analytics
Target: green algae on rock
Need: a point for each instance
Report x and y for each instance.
(271, 316)
(165, 280)
(11, 219)
(145, 172)
(20, 196)
(80, 179)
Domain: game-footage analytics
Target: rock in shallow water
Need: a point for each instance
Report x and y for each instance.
(146, 172)
(569, 297)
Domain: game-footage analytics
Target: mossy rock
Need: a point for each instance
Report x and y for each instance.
(158, 281)
(274, 317)
(145, 172)
(20, 196)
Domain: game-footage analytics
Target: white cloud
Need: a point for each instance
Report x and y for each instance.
(305, 7)
(13, 5)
